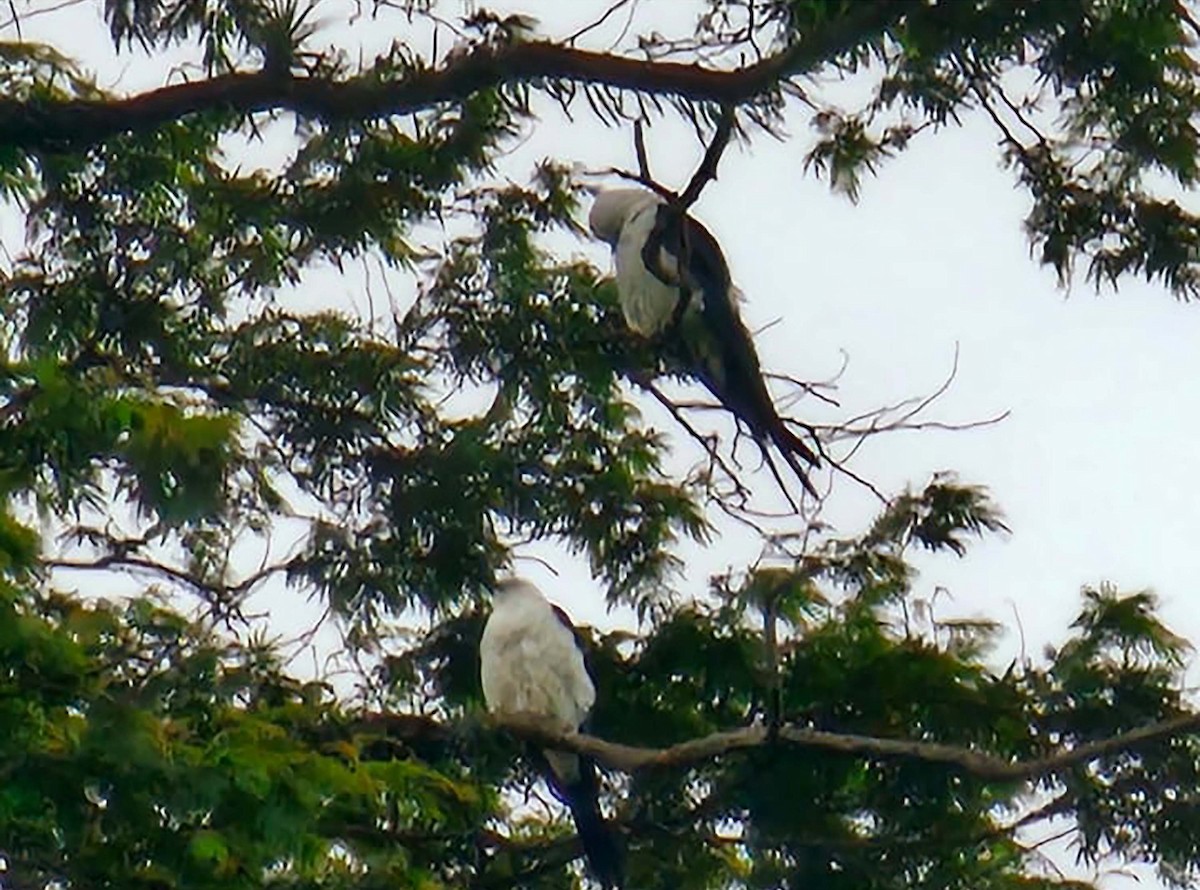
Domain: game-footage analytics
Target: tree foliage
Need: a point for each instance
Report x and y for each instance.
(171, 405)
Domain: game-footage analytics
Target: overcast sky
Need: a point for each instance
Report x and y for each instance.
(1096, 466)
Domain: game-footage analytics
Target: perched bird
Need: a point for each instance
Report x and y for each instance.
(530, 661)
(673, 282)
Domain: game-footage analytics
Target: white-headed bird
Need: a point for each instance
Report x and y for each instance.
(531, 661)
(673, 282)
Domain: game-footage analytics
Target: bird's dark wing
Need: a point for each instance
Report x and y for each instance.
(680, 252)
(706, 266)
(726, 357)
(683, 254)
(660, 251)
(580, 641)
(564, 619)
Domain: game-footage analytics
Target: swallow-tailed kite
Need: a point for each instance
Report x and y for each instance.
(530, 661)
(673, 282)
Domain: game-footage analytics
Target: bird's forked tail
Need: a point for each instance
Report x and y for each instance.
(790, 446)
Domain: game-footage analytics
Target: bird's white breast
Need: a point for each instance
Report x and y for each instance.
(529, 661)
(647, 303)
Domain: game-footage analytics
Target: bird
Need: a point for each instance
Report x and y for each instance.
(673, 282)
(531, 661)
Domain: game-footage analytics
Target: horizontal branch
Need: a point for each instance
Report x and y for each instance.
(630, 759)
(77, 122)
(133, 562)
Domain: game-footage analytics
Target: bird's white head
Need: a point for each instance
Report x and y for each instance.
(515, 587)
(613, 207)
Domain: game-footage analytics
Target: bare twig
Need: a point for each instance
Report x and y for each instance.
(661, 190)
(608, 13)
(893, 418)
(704, 173)
(840, 467)
(219, 591)
(639, 148)
(715, 459)
(15, 20)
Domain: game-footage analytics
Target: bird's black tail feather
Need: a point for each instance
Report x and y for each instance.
(789, 443)
(716, 344)
(739, 386)
(601, 847)
(790, 446)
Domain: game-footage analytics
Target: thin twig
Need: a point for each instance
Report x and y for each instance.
(710, 449)
(608, 13)
(661, 190)
(639, 148)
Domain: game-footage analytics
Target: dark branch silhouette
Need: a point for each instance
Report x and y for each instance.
(48, 123)
(707, 171)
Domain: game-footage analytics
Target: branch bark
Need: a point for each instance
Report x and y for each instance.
(707, 171)
(630, 759)
(79, 122)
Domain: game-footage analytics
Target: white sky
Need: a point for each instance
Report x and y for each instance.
(1096, 467)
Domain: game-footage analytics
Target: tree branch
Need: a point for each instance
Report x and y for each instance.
(707, 171)
(216, 588)
(77, 122)
(630, 759)
(639, 149)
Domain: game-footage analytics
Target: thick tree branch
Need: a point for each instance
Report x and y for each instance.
(629, 759)
(77, 122)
